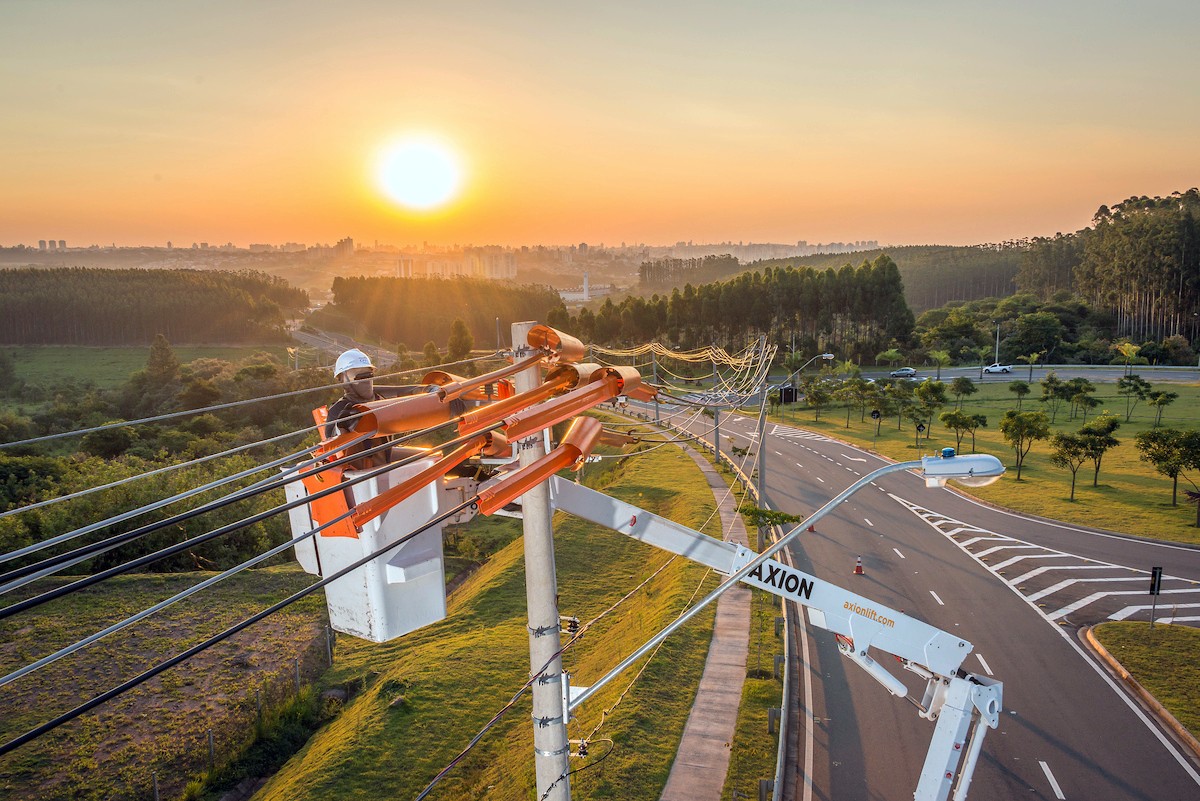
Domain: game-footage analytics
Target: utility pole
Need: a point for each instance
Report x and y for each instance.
(551, 749)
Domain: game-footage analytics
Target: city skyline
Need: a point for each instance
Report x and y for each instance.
(136, 123)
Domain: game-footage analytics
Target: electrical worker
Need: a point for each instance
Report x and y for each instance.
(355, 372)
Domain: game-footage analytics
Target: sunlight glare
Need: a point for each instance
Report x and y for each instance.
(419, 173)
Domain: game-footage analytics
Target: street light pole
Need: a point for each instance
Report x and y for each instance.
(997, 359)
(967, 469)
(762, 427)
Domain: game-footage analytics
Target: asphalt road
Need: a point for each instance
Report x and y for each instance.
(1020, 590)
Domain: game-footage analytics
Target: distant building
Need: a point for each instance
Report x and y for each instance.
(491, 263)
(261, 248)
(62, 244)
(41, 244)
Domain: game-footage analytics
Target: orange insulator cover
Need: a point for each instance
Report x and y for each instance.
(580, 373)
(564, 346)
(577, 444)
(526, 422)
(454, 386)
(385, 500)
(476, 419)
(401, 415)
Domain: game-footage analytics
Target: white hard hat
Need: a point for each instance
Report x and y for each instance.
(351, 360)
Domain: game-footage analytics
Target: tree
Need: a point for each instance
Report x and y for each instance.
(1053, 394)
(1078, 392)
(432, 357)
(889, 357)
(941, 358)
(1031, 358)
(1160, 399)
(8, 373)
(109, 443)
(1129, 351)
(978, 421)
(162, 366)
(458, 347)
(1171, 452)
(1069, 451)
(931, 396)
(1134, 388)
(960, 387)
(817, 394)
(959, 422)
(1020, 389)
(1021, 430)
(1098, 440)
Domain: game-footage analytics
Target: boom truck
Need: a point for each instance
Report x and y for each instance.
(397, 516)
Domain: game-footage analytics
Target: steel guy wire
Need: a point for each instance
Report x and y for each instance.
(174, 415)
(108, 695)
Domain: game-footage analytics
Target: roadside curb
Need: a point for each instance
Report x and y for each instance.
(1164, 715)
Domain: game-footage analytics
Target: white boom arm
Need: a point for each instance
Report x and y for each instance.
(958, 701)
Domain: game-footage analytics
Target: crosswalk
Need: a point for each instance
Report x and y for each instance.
(1069, 589)
(787, 432)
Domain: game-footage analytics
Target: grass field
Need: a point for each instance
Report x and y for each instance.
(1130, 497)
(455, 675)
(1163, 660)
(161, 726)
(48, 365)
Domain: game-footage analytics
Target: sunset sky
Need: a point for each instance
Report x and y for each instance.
(142, 121)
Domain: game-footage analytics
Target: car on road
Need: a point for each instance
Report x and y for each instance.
(998, 368)
(903, 372)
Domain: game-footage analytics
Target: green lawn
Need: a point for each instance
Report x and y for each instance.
(1163, 660)
(456, 674)
(1130, 497)
(48, 365)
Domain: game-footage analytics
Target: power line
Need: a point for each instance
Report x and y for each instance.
(108, 695)
(232, 404)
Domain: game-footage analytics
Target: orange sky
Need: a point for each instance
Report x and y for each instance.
(136, 122)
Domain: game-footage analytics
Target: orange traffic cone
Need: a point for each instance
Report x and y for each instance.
(813, 528)
(858, 571)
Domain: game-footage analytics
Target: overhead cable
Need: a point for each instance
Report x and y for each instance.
(108, 695)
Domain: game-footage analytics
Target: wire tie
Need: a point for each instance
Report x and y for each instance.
(545, 722)
(549, 678)
(542, 631)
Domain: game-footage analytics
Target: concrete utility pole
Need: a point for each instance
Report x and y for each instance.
(551, 749)
(762, 435)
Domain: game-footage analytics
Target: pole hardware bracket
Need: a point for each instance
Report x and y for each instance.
(559, 752)
(543, 723)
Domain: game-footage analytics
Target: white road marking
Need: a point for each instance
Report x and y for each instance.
(1133, 610)
(902, 556)
(1053, 783)
(1096, 596)
(936, 598)
(799, 465)
(818, 478)
(777, 453)
(852, 459)
(995, 548)
(1039, 571)
(1016, 559)
(869, 523)
(987, 668)
(1063, 584)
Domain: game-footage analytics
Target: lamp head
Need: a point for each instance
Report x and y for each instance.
(975, 470)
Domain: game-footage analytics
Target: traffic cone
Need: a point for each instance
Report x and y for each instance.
(858, 571)
(813, 529)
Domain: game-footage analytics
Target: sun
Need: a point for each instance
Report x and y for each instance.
(419, 172)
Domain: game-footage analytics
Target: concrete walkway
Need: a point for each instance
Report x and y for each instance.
(698, 773)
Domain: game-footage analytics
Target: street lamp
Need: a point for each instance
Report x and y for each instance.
(973, 470)
(997, 359)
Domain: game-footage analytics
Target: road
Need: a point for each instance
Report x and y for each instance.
(1020, 590)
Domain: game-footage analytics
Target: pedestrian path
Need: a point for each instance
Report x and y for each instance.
(698, 773)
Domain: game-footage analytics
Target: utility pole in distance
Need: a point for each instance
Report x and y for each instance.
(551, 749)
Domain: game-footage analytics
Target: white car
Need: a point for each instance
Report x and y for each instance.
(998, 368)
(903, 372)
